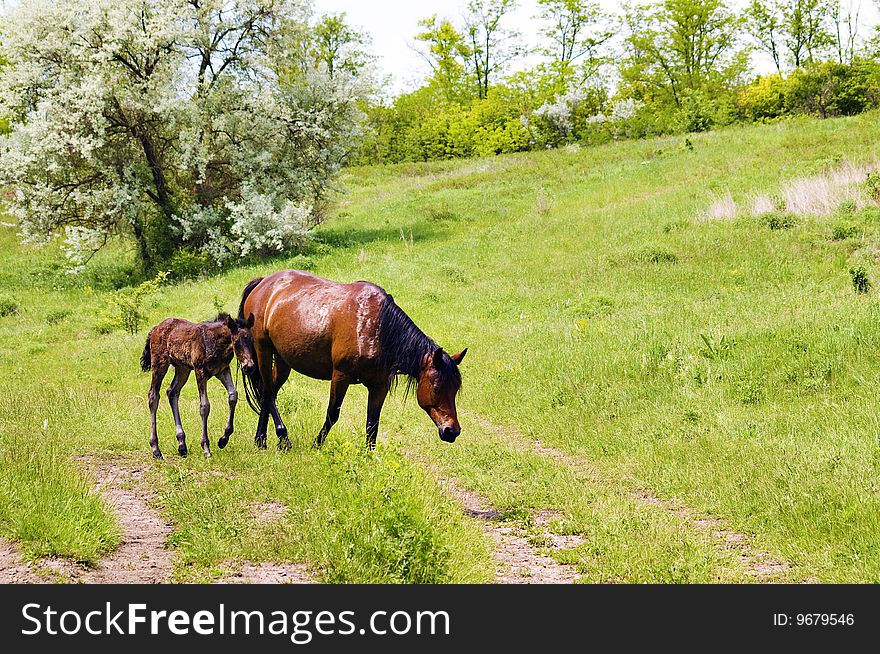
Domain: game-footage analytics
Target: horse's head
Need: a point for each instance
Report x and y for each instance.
(438, 384)
(243, 342)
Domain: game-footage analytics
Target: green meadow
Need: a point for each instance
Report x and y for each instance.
(720, 360)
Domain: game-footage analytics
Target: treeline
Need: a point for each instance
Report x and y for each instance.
(668, 66)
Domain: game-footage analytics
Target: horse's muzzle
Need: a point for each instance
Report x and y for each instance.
(449, 434)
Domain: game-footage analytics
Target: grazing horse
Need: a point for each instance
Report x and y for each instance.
(207, 348)
(347, 334)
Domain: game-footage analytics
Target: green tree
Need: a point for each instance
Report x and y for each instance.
(492, 46)
(448, 55)
(806, 31)
(576, 29)
(679, 46)
(764, 24)
(340, 47)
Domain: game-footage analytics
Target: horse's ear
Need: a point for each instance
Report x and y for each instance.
(456, 358)
(437, 358)
(229, 321)
(250, 321)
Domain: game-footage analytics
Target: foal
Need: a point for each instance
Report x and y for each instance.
(207, 348)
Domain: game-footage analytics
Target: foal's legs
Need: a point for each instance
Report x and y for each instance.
(225, 378)
(339, 384)
(155, 386)
(181, 374)
(375, 400)
(204, 408)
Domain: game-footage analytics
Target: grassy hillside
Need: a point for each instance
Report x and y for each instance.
(725, 363)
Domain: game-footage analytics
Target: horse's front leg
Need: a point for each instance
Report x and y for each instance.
(204, 408)
(225, 378)
(338, 386)
(375, 401)
(280, 375)
(181, 374)
(153, 398)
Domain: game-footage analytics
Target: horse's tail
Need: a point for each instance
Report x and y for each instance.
(253, 382)
(251, 285)
(146, 362)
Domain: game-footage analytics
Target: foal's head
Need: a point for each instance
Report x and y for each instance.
(243, 342)
(438, 384)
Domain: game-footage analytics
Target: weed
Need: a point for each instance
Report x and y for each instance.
(860, 281)
(8, 306)
(841, 231)
(720, 348)
(655, 255)
(780, 220)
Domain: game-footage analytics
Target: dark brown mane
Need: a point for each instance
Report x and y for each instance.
(404, 347)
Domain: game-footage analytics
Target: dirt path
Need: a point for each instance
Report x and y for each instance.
(519, 562)
(141, 557)
(750, 560)
(14, 569)
(268, 573)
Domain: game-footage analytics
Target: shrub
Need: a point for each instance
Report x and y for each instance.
(127, 307)
(186, 263)
(763, 100)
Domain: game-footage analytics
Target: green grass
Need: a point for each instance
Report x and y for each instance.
(728, 364)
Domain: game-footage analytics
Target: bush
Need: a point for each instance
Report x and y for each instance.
(187, 264)
(763, 100)
(127, 307)
(832, 89)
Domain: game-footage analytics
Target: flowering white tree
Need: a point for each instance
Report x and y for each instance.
(177, 122)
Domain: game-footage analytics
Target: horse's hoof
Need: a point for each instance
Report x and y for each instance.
(208, 454)
(222, 442)
(284, 445)
(260, 442)
(157, 454)
(181, 450)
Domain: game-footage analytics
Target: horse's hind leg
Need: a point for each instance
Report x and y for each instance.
(153, 398)
(375, 400)
(338, 387)
(181, 374)
(225, 378)
(204, 409)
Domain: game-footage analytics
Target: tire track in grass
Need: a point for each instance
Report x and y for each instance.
(518, 561)
(141, 557)
(750, 560)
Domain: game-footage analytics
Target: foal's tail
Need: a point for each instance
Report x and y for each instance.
(146, 362)
(253, 382)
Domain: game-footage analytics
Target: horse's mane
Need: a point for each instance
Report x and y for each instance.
(404, 347)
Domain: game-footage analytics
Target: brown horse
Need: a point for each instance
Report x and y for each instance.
(207, 348)
(347, 334)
